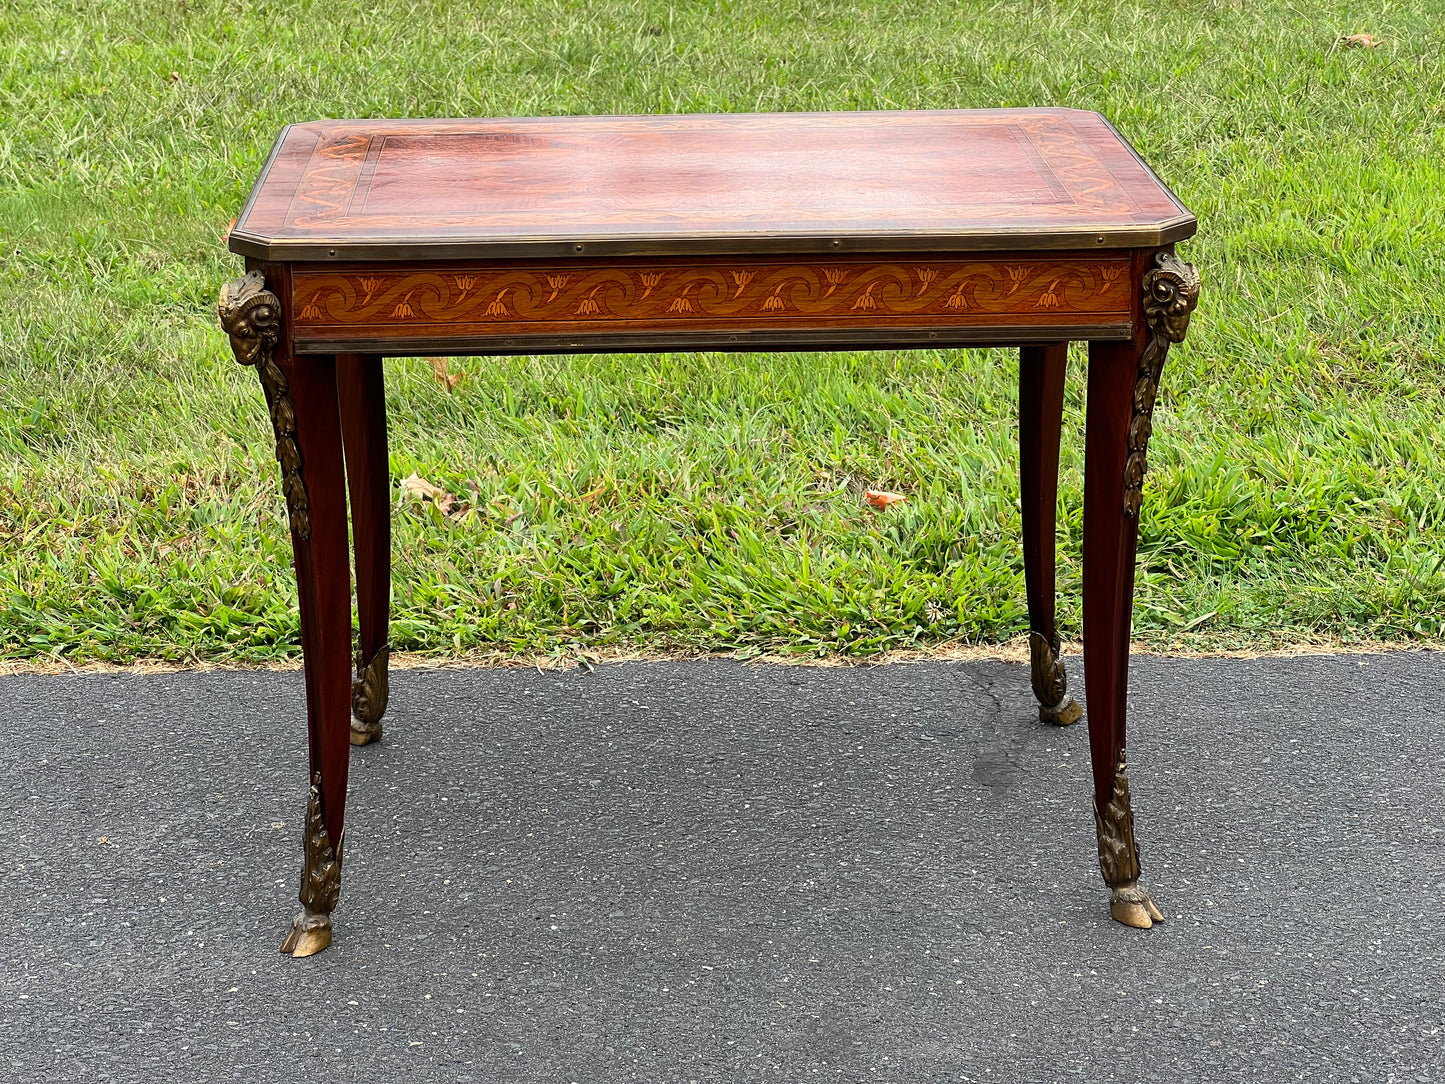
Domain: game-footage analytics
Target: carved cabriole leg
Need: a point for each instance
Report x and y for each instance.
(1123, 383)
(363, 431)
(302, 398)
(1041, 406)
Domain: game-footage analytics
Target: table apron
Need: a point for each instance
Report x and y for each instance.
(738, 303)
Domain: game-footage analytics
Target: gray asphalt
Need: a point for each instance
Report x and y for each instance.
(713, 871)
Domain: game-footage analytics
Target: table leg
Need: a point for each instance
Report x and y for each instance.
(1123, 382)
(302, 400)
(1041, 407)
(363, 432)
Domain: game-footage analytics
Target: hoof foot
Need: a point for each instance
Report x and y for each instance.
(1051, 683)
(369, 693)
(1132, 906)
(364, 733)
(310, 933)
(1065, 713)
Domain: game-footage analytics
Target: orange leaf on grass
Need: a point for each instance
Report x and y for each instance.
(415, 487)
(881, 498)
(442, 369)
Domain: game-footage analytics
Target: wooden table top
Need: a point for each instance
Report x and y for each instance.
(966, 180)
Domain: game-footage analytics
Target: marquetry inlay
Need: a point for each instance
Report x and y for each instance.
(505, 298)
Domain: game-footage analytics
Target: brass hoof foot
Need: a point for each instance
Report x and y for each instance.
(310, 933)
(1065, 713)
(362, 734)
(1051, 684)
(1132, 906)
(368, 697)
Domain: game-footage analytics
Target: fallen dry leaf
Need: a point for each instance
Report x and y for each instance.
(442, 369)
(415, 487)
(591, 495)
(1358, 41)
(881, 498)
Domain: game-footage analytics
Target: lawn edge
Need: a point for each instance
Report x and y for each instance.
(1013, 651)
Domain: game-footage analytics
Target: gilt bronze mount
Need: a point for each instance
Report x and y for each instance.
(320, 883)
(368, 697)
(1171, 291)
(1051, 683)
(251, 317)
(1119, 856)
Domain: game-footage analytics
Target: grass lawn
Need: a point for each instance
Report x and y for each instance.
(713, 502)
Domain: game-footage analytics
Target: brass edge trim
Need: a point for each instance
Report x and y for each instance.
(734, 117)
(336, 250)
(996, 335)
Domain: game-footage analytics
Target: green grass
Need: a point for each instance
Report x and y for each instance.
(713, 501)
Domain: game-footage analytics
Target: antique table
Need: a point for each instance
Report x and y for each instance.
(1027, 228)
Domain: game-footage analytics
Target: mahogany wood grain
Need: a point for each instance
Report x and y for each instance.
(785, 182)
(323, 580)
(1041, 407)
(1110, 540)
(362, 399)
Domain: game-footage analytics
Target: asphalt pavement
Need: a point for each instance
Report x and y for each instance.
(713, 871)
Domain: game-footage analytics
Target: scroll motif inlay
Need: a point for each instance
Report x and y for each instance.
(510, 298)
